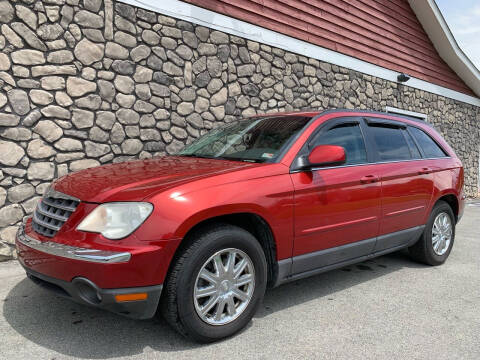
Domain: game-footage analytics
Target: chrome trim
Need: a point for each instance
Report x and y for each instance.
(56, 194)
(72, 252)
(44, 212)
(370, 163)
(45, 224)
(63, 207)
(52, 211)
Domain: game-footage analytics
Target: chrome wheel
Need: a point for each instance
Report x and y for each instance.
(441, 233)
(224, 286)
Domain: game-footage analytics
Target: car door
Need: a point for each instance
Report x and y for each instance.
(336, 208)
(406, 181)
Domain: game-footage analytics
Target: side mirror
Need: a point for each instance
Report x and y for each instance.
(326, 155)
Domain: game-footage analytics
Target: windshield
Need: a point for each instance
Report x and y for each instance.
(254, 139)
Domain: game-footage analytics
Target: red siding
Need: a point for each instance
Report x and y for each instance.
(383, 32)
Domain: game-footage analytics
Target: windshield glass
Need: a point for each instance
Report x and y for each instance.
(254, 139)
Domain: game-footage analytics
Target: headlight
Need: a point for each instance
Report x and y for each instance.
(117, 219)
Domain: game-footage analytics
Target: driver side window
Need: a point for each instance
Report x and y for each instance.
(348, 136)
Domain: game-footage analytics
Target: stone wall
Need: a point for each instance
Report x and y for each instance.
(84, 83)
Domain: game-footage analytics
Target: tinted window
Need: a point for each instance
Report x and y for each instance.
(428, 145)
(350, 138)
(391, 143)
(413, 147)
(254, 140)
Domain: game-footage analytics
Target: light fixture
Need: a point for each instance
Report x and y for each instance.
(403, 78)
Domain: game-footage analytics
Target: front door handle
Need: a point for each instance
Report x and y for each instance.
(368, 179)
(424, 171)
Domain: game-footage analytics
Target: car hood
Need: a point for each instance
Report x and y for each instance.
(135, 180)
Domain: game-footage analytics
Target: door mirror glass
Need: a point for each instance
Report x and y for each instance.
(327, 155)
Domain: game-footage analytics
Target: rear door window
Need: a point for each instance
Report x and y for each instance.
(390, 142)
(429, 146)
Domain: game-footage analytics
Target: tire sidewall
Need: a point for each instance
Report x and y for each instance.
(213, 242)
(438, 209)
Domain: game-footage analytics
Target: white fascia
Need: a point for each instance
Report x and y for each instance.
(197, 15)
(444, 42)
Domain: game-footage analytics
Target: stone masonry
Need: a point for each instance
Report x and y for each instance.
(85, 83)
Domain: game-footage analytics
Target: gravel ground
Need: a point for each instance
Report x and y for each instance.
(386, 308)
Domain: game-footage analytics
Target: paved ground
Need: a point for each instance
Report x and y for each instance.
(381, 309)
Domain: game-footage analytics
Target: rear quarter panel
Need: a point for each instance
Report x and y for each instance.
(448, 179)
(448, 174)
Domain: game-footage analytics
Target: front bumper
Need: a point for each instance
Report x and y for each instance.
(72, 252)
(94, 276)
(84, 291)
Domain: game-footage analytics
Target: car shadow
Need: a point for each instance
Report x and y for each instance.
(328, 283)
(75, 330)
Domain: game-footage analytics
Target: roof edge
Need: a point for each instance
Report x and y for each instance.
(444, 42)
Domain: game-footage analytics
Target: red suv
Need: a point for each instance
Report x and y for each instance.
(254, 203)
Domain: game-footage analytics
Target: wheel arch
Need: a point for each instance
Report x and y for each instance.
(452, 200)
(251, 222)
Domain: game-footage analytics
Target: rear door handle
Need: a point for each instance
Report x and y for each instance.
(424, 171)
(368, 179)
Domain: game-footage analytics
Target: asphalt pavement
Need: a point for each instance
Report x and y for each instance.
(387, 308)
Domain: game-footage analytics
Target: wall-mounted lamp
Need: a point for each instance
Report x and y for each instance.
(403, 78)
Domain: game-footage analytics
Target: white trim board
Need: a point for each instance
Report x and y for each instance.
(185, 11)
(444, 42)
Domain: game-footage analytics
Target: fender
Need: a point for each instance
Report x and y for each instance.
(270, 198)
(217, 211)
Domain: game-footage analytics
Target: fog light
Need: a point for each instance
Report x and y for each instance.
(131, 297)
(88, 291)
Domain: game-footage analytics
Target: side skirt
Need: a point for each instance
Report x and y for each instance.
(302, 266)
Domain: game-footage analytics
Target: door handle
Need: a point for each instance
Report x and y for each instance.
(368, 179)
(424, 171)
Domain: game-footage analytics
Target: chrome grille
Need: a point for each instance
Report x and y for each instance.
(51, 213)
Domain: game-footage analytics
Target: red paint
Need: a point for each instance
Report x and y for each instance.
(327, 154)
(405, 194)
(137, 178)
(333, 207)
(306, 211)
(384, 32)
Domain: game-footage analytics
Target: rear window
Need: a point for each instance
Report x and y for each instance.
(429, 146)
(390, 142)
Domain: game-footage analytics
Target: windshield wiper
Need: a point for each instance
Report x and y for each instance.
(239, 159)
(198, 156)
(222, 158)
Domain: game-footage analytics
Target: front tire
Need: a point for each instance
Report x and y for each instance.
(216, 283)
(436, 242)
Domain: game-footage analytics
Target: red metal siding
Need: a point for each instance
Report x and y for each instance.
(383, 32)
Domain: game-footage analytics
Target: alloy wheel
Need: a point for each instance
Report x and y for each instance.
(224, 286)
(441, 233)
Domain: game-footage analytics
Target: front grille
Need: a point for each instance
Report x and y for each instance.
(51, 213)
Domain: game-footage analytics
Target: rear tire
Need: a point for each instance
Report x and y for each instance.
(436, 242)
(184, 302)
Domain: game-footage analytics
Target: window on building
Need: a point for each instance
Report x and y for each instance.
(396, 111)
